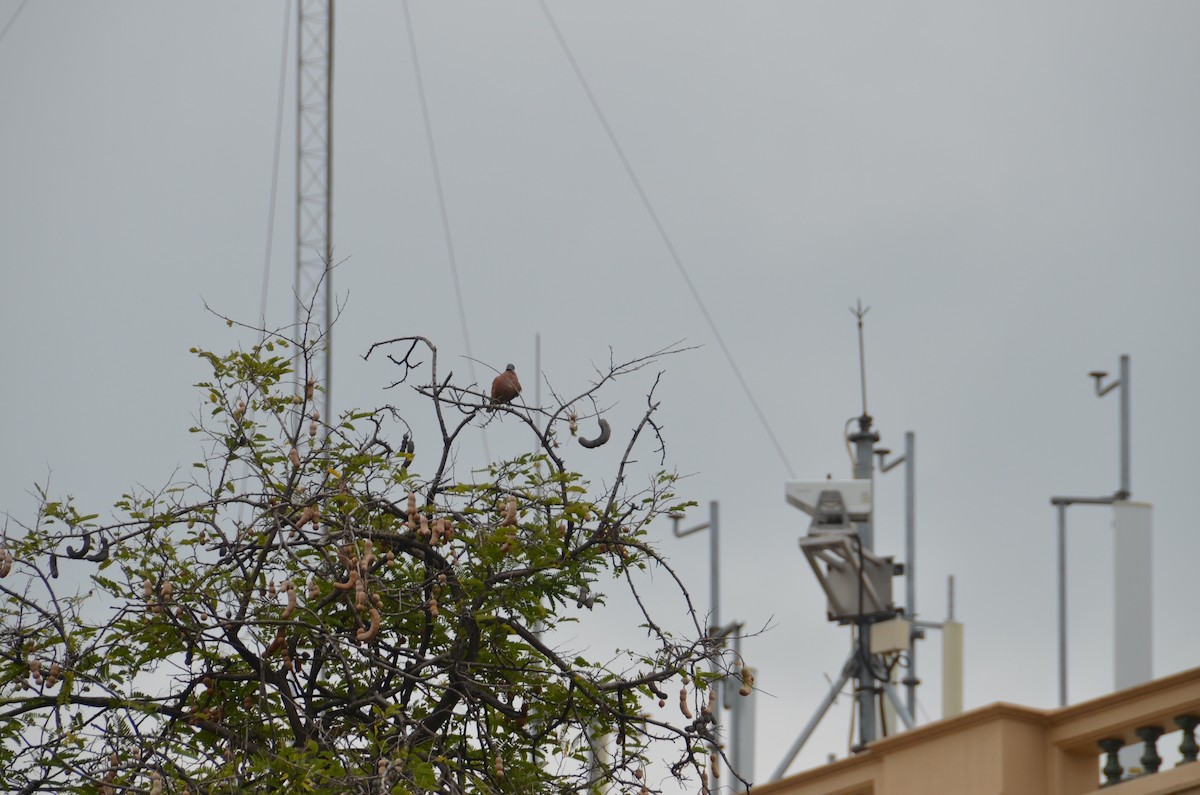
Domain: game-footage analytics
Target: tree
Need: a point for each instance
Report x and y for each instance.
(310, 612)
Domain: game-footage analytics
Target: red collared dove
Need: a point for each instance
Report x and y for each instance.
(505, 387)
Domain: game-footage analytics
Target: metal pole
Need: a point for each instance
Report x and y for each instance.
(714, 627)
(811, 726)
(1061, 503)
(327, 286)
(864, 469)
(314, 185)
(905, 716)
(910, 564)
(714, 570)
(1062, 604)
(1126, 488)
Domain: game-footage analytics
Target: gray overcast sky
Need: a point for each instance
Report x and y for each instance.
(1014, 188)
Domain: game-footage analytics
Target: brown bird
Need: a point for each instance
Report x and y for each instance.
(505, 387)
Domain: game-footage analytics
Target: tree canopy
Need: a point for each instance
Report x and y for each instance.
(334, 605)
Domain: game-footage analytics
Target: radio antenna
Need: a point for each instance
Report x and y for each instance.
(859, 312)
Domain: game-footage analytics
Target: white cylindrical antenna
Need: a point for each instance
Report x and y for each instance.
(952, 660)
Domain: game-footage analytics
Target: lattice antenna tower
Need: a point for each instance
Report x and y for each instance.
(314, 185)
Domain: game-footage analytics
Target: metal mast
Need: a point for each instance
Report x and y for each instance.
(314, 185)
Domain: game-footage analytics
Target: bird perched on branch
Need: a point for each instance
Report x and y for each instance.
(505, 387)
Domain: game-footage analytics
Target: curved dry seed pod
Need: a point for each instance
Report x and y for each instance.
(605, 435)
(147, 589)
(574, 424)
(309, 388)
(111, 776)
(100, 555)
(510, 513)
(369, 633)
(351, 581)
(280, 642)
(294, 456)
(86, 548)
(683, 705)
(747, 682)
(155, 783)
(314, 590)
(291, 600)
(167, 589)
(312, 429)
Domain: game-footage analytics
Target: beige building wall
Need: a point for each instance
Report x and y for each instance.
(1004, 749)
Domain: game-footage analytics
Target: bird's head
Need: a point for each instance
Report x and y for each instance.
(511, 368)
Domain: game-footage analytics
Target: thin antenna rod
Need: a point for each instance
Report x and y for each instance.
(860, 312)
(537, 368)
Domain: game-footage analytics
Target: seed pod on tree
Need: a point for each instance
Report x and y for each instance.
(683, 704)
(747, 681)
(291, 600)
(280, 642)
(605, 435)
(350, 583)
(369, 633)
